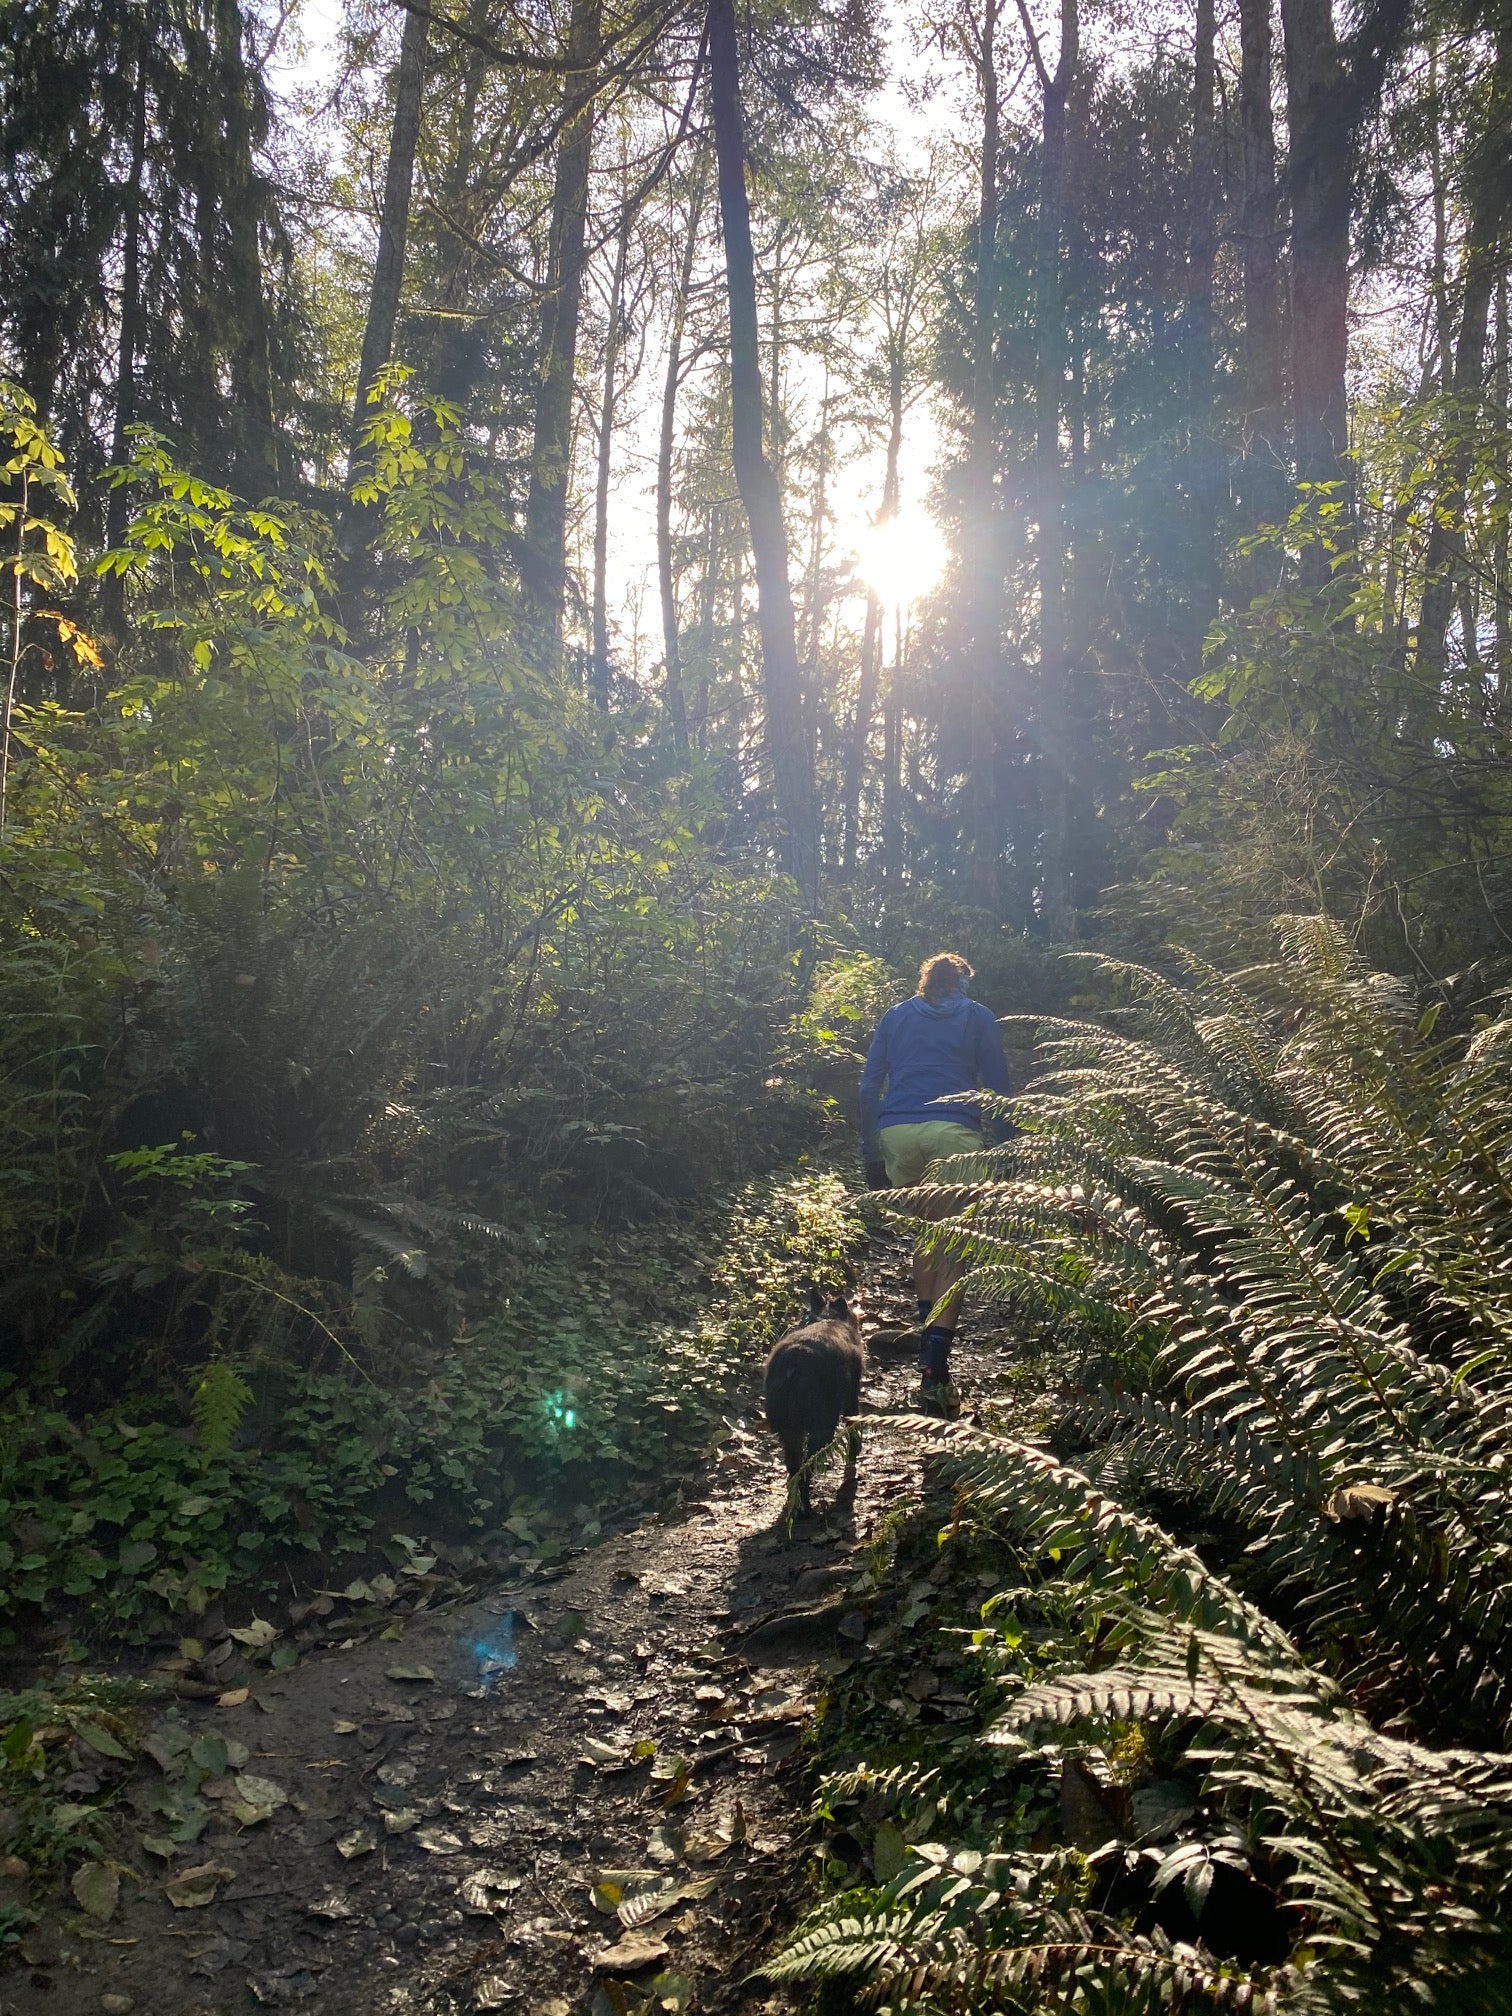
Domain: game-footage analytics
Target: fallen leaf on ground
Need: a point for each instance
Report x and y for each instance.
(336, 1905)
(234, 1697)
(665, 1845)
(197, 1887)
(604, 1756)
(412, 1674)
(256, 1635)
(403, 1820)
(101, 1741)
(630, 1956)
(488, 1890)
(436, 1841)
(361, 1841)
(655, 1900)
(672, 1991)
(96, 1890)
(344, 1728)
(492, 1991)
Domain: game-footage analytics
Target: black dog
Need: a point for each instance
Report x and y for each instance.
(813, 1378)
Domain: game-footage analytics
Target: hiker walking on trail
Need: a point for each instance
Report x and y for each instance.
(926, 1050)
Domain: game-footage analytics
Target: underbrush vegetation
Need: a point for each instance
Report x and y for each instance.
(1229, 1730)
(597, 1380)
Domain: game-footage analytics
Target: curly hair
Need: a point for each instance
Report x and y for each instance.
(944, 973)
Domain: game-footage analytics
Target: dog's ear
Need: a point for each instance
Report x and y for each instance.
(839, 1308)
(816, 1302)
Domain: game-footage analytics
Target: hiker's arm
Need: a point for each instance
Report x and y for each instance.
(873, 1078)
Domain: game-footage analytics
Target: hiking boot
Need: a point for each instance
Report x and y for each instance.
(940, 1398)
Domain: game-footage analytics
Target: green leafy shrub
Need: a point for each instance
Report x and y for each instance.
(580, 1390)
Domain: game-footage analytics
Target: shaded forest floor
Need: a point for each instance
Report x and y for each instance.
(587, 1795)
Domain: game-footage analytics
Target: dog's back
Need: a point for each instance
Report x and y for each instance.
(813, 1380)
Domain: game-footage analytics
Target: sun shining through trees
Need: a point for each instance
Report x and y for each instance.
(902, 559)
(551, 551)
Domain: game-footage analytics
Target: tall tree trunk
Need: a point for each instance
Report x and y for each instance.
(250, 367)
(871, 643)
(707, 610)
(1320, 172)
(1489, 185)
(860, 736)
(892, 764)
(601, 670)
(1057, 899)
(129, 337)
(393, 224)
(1328, 98)
(677, 708)
(543, 560)
(984, 588)
(1202, 446)
(1502, 504)
(1265, 457)
(786, 750)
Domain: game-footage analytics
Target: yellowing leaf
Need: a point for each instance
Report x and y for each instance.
(196, 1888)
(96, 1890)
(256, 1635)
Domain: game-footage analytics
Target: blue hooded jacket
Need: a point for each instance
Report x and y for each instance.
(923, 1052)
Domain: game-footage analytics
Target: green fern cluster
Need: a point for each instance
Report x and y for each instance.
(1391, 1858)
(1275, 1213)
(1264, 1220)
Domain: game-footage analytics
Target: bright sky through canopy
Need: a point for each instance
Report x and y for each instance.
(902, 558)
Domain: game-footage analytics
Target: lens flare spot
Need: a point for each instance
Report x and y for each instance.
(495, 1651)
(559, 1410)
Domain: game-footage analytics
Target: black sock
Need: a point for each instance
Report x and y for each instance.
(926, 1303)
(934, 1356)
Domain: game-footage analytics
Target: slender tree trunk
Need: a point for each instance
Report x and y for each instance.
(1490, 191)
(677, 710)
(860, 736)
(892, 764)
(1265, 456)
(1327, 100)
(543, 560)
(601, 669)
(791, 774)
(393, 225)
(814, 599)
(871, 643)
(1202, 446)
(708, 609)
(1320, 171)
(1502, 504)
(1058, 903)
(129, 338)
(983, 573)
(128, 345)
(250, 362)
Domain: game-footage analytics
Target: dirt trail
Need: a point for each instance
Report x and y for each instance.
(479, 1828)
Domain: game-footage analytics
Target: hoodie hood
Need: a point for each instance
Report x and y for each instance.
(941, 1011)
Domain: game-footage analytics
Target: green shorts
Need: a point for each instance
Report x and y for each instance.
(909, 1150)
